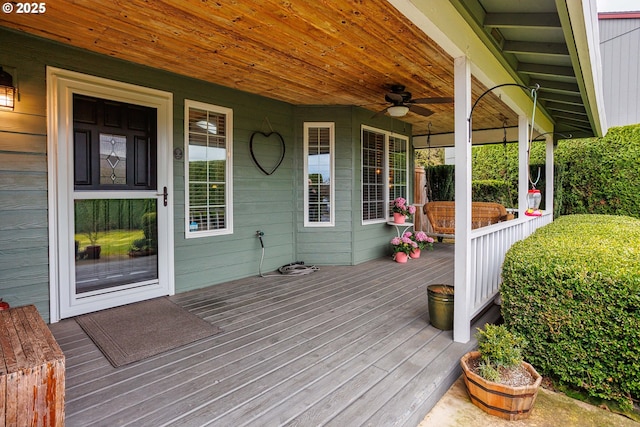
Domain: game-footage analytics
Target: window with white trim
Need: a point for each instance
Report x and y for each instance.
(385, 166)
(208, 169)
(319, 191)
(398, 168)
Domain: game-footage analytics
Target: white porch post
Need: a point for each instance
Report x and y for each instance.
(523, 166)
(462, 275)
(549, 174)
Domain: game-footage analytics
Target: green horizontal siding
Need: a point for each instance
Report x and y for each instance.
(327, 245)
(24, 239)
(272, 204)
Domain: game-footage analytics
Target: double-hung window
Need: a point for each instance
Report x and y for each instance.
(385, 166)
(318, 172)
(208, 169)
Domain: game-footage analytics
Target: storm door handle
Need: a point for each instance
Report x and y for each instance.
(165, 195)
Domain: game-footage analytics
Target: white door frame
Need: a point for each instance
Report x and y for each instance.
(61, 85)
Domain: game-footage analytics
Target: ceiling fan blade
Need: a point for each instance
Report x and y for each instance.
(420, 110)
(394, 97)
(441, 100)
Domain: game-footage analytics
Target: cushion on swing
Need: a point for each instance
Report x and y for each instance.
(442, 216)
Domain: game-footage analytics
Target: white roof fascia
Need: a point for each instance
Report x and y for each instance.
(583, 16)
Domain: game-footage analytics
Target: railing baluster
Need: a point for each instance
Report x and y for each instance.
(488, 249)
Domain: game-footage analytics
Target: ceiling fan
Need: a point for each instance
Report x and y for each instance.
(402, 103)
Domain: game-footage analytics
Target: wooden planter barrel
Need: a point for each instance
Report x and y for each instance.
(510, 403)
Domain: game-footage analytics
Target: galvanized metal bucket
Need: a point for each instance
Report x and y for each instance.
(441, 306)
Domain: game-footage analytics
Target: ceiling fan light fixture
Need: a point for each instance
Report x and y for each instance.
(398, 110)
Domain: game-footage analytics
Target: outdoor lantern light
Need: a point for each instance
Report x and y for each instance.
(398, 110)
(533, 203)
(7, 91)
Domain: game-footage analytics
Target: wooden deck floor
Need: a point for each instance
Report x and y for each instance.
(343, 346)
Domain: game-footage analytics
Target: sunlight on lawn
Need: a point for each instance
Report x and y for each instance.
(114, 242)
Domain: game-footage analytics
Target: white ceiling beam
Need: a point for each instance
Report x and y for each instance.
(536, 48)
(569, 108)
(478, 137)
(546, 70)
(519, 20)
(557, 87)
(558, 97)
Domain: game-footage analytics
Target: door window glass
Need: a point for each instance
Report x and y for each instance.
(113, 159)
(116, 243)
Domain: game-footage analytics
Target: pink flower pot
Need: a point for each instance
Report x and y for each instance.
(415, 253)
(401, 257)
(398, 218)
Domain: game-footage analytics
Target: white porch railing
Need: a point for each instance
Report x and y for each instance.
(489, 246)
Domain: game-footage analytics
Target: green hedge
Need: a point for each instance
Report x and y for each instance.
(493, 190)
(602, 175)
(592, 175)
(572, 289)
(440, 182)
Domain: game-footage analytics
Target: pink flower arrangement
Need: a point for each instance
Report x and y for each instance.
(400, 206)
(421, 239)
(403, 244)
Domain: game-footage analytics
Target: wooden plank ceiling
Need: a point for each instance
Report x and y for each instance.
(321, 52)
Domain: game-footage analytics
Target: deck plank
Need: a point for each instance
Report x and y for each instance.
(338, 343)
(354, 367)
(309, 341)
(341, 346)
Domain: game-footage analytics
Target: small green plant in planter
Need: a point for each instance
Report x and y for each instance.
(500, 350)
(498, 381)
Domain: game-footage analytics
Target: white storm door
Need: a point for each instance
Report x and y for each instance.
(113, 210)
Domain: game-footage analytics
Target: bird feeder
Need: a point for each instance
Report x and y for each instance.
(534, 197)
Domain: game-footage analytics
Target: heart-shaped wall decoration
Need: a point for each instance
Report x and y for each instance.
(266, 140)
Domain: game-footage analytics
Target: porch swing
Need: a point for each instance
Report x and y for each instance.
(441, 214)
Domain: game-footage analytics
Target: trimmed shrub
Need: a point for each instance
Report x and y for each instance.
(602, 175)
(491, 190)
(440, 182)
(150, 227)
(499, 346)
(572, 290)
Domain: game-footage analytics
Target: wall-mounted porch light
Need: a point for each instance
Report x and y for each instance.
(7, 91)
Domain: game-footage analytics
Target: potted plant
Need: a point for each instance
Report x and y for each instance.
(401, 210)
(402, 247)
(497, 379)
(93, 250)
(422, 241)
(89, 214)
